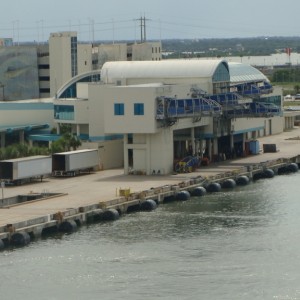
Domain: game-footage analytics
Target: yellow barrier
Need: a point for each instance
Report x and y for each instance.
(124, 192)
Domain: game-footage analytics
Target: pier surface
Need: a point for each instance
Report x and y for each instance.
(102, 186)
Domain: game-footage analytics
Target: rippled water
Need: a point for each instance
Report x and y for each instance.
(240, 244)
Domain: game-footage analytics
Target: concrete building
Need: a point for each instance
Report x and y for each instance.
(63, 59)
(39, 70)
(163, 111)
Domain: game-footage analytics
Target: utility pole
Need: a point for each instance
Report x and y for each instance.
(143, 28)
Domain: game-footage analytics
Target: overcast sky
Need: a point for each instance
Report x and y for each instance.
(34, 20)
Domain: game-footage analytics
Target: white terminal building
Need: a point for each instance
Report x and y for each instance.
(142, 113)
(147, 115)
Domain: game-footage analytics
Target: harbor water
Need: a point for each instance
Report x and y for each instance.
(237, 244)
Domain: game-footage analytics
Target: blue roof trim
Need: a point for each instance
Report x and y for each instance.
(44, 137)
(26, 106)
(106, 137)
(25, 127)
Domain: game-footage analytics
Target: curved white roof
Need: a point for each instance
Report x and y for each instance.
(179, 68)
(240, 72)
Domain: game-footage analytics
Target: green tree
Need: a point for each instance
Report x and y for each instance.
(66, 142)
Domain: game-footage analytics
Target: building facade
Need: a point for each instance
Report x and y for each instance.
(164, 111)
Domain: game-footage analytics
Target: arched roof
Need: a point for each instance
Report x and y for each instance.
(81, 77)
(179, 68)
(240, 73)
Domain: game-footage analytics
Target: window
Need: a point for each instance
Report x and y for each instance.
(44, 78)
(64, 112)
(119, 109)
(138, 109)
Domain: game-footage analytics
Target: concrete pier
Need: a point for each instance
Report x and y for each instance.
(85, 198)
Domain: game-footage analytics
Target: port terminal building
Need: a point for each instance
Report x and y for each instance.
(149, 115)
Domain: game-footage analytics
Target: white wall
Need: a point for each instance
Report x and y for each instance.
(30, 115)
(250, 124)
(161, 151)
(129, 123)
(60, 59)
(82, 90)
(96, 110)
(84, 58)
(153, 152)
(111, 154)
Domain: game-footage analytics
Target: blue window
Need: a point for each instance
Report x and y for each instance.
(64, 112)
(138, 109)
(119, 109)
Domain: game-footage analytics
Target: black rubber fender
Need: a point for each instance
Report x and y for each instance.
(2, 245)
(68, 226)
(110, 215)
(293, 167)
(213, 187)
(183, 195)
(148, 205)
(199, 191)
(268, 173)
(20, 239)
(228, 183)
(242, 180)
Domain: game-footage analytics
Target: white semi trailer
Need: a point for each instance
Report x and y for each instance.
(19, 170)
(71, 163)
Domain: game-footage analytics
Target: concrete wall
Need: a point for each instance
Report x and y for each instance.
(96, 111)
(111, 153)
(82, 90)
(265, 126)
(161, 152)
(23, 113)
(129, 123)
(60, 59)
(84, 58)
(112, 52)
(152, 153)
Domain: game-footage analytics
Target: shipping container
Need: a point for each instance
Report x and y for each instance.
(20, 169)
(72, 163)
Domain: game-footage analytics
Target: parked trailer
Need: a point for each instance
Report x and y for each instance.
(72, 163)
(19, 170)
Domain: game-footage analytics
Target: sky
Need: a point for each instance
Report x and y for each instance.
(113, 20)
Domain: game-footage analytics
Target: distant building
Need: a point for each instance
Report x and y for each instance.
(39, 71)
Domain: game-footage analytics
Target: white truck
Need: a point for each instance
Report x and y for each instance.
(71, 163)
(19, 170)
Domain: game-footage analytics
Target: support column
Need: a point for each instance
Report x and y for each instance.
(254, 134)
(126, 165)
(197, 147)
(209, 146)
(201, 148)
(216, 150)
(148, 156)
(193, 140)
(2, 139)
(78, 129)
(21, 136)
(58, 128)
(243, 143)
(30, 143)
(231, 142)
